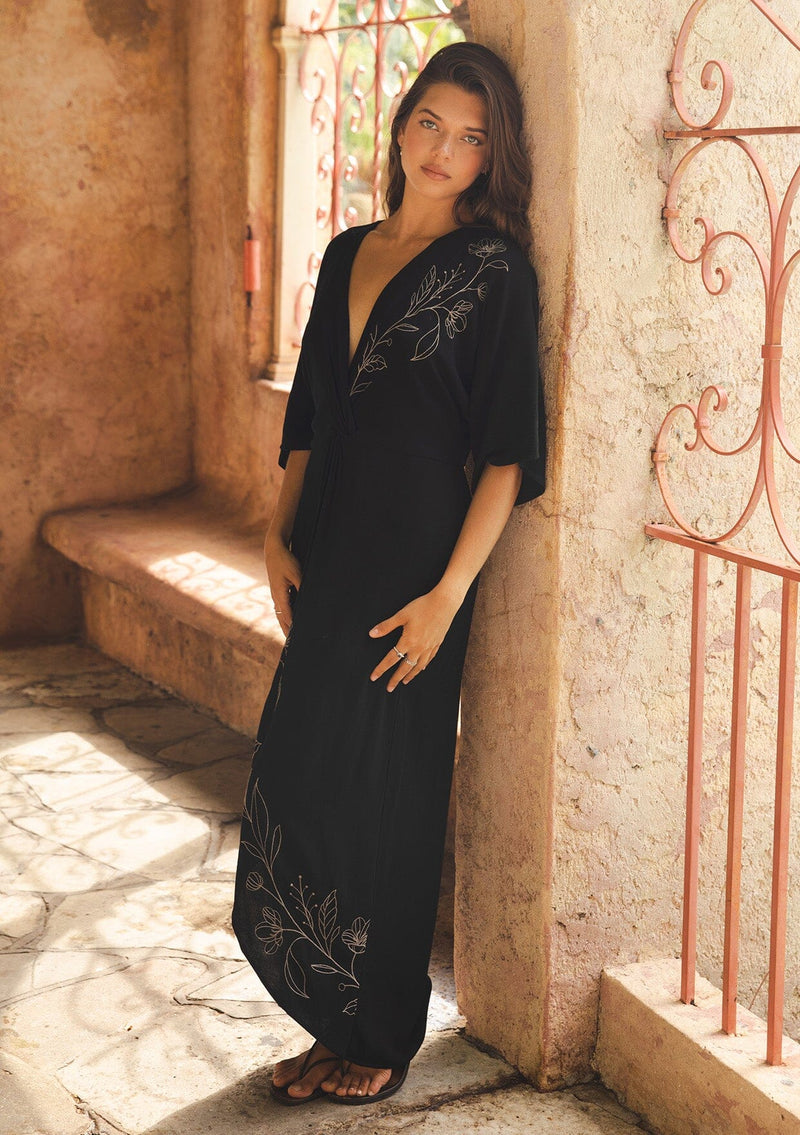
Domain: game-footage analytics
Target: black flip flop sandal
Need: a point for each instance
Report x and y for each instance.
(395, 1083)
(282, 1094)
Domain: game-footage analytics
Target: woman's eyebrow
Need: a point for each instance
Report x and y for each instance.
(438, 117)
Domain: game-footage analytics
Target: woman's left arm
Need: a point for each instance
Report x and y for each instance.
(426, 620)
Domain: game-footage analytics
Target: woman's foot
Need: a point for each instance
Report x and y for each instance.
(357, 1080)
(321, 1070)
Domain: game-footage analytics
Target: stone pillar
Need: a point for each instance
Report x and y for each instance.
(570, 783)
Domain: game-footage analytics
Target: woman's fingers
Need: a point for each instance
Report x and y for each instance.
(388, 625)
(404, 671)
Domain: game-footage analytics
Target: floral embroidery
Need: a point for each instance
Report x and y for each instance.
(287, 924)
(437, 300)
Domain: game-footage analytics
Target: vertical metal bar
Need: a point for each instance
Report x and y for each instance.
(693, 778)
(733, 879)
(780, 847)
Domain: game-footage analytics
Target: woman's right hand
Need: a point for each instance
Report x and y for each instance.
(283, 571)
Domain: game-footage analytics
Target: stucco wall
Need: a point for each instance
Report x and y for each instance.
(94, 246)
(572, 781)
(233, 122)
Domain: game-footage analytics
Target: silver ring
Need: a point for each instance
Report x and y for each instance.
(278, 611)
(399, 653)
(408, 662)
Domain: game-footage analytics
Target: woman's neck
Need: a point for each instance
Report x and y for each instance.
(419, 221)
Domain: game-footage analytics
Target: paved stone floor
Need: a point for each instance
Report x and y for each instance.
(126, 1005)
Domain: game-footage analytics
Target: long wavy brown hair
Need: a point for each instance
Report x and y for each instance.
(501, 196)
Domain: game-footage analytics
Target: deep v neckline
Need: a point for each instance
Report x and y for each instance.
(384, 289)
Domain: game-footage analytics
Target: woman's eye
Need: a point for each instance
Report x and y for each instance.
(428, 123)
(473, 141)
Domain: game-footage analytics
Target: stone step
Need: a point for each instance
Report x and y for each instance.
(178, 593)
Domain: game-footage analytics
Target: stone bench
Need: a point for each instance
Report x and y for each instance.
(179, 595)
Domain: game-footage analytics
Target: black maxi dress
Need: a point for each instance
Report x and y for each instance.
(345, 812)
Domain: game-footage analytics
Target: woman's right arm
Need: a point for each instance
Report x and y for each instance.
(283, 568)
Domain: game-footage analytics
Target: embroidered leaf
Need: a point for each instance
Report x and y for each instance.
(259, 817)
(406, 327)
(350, 1007)
(251, 847)
(293, 974)
(319, 968)
(498, 264)
(377, 362)
(327, 916)
(427, 344)
(276, 845)
(425, 288)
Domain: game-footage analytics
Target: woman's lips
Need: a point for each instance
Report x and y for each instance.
(435, 174)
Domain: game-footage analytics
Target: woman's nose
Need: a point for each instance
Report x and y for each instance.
(444, 145)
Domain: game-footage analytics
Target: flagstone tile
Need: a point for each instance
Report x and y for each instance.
(209, 745)
(216, 788)
(155, 726)
(185, 915)
(169, 1061)
(68, 790)
(96, 688)
(157, 843)
(70, 752)
(44, 720)
(31, 662)
(65, 872)
(239, 994)
(24, 971)
(21, 914)
(83, 1020)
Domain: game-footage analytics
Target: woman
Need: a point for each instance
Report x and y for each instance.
(420, 347)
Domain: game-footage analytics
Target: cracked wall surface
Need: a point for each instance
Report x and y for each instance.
(94, 243)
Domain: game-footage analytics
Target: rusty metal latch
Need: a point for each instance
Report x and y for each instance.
(252, 265)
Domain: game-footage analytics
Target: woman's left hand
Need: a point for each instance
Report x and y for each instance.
(425, 622)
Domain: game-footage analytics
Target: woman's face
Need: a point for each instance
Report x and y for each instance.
(445, 142)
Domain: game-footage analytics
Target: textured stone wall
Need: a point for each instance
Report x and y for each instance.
(572, 779)
(232, 123)
(94, 286)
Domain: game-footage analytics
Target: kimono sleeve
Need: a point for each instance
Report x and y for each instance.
(506, 407)
(297, 423)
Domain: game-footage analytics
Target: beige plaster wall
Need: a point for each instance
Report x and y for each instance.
(572, 781)
(94, 286)
(233, 94)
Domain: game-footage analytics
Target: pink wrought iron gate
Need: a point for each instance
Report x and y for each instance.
(776, 270)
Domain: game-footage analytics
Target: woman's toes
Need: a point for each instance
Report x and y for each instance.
(333, 1082)
(285, 1071)
(378, 1081)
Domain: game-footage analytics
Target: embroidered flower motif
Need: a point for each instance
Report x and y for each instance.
(298, 919)
(438, 298)
(356, 937)
(487, 247)
(270, 931)
(456, 320)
